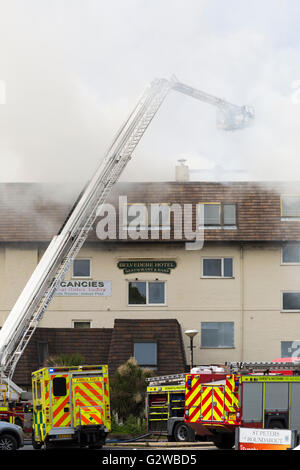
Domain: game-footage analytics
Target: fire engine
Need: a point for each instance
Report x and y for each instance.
(15, 410)
(165, 404)
(252, 394)
(37, 294)
(70, 406)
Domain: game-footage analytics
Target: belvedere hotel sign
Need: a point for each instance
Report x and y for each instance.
(147, 266)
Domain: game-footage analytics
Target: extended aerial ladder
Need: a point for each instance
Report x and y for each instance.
(64, 247)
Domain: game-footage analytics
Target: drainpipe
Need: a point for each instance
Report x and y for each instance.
(242, 293)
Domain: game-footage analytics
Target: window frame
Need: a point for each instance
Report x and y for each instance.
(150, 366)
(222, 224)
(81, 321)
(290, 342)
(147, 304)
(289, 263)
(289, 310)
(82, 277)
(42, 352)
(222, 214)
(54, 386)
(148, 225)
(222, 258)
(218, 347)
(288, 218)
(126, 226)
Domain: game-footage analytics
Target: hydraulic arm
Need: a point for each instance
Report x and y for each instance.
(64, 247)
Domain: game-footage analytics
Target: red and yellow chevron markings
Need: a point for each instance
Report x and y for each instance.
(231, 398)
(61, 413)
(88, 402)
(212, 403)
(193, 397)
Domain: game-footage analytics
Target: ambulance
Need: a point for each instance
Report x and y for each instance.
(71, 407)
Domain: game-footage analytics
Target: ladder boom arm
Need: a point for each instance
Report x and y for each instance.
(64, 247)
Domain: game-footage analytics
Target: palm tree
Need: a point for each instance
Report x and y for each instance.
(128, 388)
(75, 359)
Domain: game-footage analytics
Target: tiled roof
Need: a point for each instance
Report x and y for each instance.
(92, 343)
(112, 346)
(167, 334)
(32, 212)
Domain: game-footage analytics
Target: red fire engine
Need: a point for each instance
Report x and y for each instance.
(262, 395)
(13, 410)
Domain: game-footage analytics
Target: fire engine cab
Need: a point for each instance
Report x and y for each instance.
(262, 395)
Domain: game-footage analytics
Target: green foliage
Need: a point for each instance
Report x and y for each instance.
(75, 359)
(127, 390)
(133, 426)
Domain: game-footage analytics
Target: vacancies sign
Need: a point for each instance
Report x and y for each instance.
(78, 287)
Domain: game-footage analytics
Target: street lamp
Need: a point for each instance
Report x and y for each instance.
(191, 334)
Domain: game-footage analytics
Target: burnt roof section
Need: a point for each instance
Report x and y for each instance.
(34, 212)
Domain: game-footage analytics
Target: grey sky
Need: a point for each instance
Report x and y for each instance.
(74, 69)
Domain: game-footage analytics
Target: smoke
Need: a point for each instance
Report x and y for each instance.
(73, 70)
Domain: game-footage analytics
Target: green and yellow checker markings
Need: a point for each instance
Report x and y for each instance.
(39, 426)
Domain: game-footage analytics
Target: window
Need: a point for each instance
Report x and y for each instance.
(218, 214)
(146, 293)
(154, 216)
(59, 386)
(159, 216)
(81, 324)
(291, 301)
(217, 267)
(229, 214)
(290, 207)
(212, 214)
(43, 352)
(145, 354)
(137, 217)
(290, 348)
(38, 390)
(217, 334)
(291, 253)
(82, 268)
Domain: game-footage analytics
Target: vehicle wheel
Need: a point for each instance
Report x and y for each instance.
(19, 422)
(182, 433)
(8, 442)
(36, 445)
(96, 445)
(224, 442)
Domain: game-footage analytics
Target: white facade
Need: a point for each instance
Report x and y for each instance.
(238, 316)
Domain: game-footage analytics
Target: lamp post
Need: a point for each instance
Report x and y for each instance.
(191, 334)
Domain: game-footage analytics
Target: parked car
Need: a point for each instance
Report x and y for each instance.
(11, 436)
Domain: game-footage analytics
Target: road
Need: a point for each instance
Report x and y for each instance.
(149, 446)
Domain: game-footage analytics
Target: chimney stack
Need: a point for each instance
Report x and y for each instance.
(182, 171)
